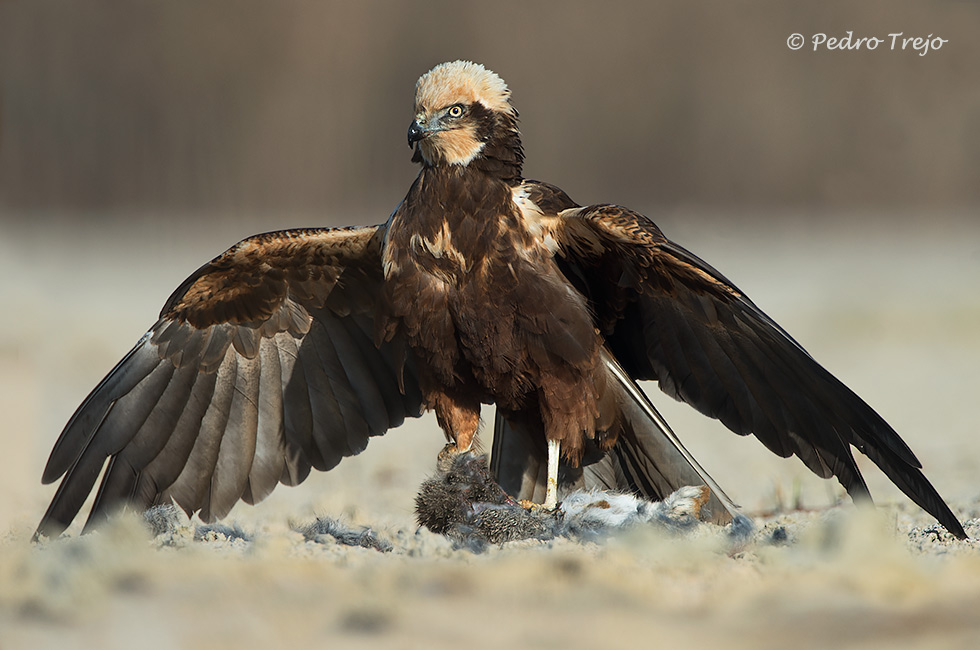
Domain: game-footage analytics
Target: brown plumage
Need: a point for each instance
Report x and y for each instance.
(288, 351)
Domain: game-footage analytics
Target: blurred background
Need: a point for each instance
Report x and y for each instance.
(301, 107)
(838, 188)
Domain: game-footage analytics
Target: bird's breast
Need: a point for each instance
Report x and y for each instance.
(476, 290)
(437, 255)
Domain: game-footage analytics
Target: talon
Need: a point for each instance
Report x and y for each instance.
(449, 450)
(539, 507)
(700, 501)
(446, 456)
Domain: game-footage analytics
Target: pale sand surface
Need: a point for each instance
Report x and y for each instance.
(893, 312)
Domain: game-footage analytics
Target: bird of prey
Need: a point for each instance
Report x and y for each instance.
(290, 349)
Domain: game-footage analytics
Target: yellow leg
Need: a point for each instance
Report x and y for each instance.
(551, 495)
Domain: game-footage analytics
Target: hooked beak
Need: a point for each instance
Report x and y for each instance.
(415, 133)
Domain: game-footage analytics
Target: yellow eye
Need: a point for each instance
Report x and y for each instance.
(455, 111)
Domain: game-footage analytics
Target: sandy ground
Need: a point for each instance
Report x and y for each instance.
(891, 307)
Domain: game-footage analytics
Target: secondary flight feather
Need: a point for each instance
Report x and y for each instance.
(291, 349)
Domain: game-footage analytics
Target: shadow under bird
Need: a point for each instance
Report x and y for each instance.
(288, 351)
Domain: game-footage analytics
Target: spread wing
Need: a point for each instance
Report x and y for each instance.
(668, 316)
(261, 365)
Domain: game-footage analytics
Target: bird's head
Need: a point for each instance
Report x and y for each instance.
(463, 114)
